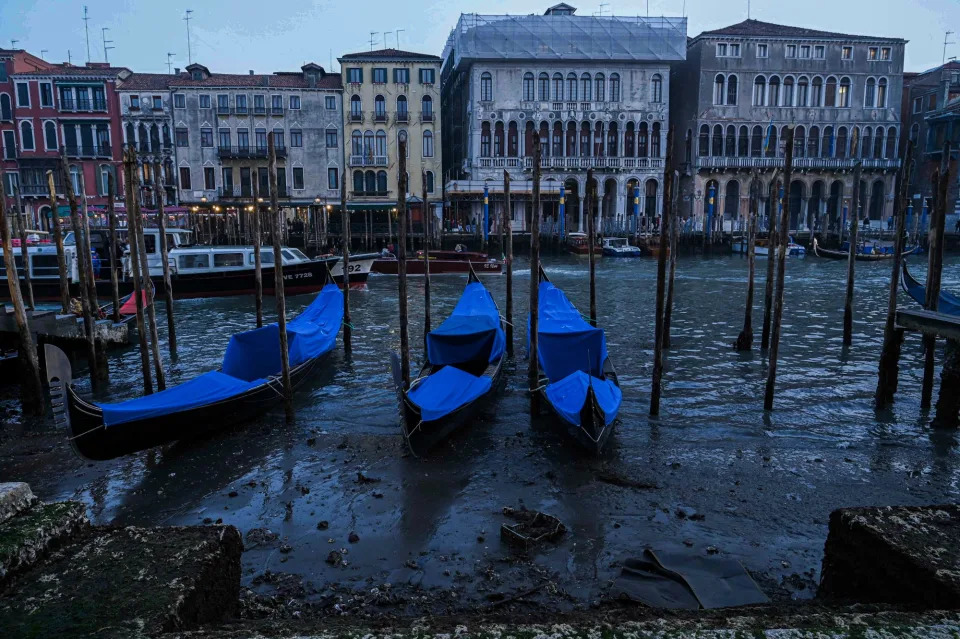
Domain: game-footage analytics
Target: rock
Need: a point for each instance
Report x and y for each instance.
(323, 525)
(334, 558)
(15, 497)
(285, 548)
(207, 520)
(378, 495)
(260, 536)
(481, 539)
(411, 564)
(353, 538)
(29, 536)
(363, 479)
(311, 441)
(712, 550)
(232, 493)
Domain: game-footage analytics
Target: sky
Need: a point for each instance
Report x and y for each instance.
(234, 36)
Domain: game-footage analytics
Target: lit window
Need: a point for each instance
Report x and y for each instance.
(846, 53)
(873, 54)
(885, 53)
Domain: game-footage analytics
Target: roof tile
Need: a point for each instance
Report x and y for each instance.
(769, 29)
(390, 53)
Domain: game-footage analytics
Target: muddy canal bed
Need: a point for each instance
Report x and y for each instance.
(338, 516)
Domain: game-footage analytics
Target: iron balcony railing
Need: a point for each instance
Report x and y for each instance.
(85, 150)
(721, 162)
(241, 152)
(368, 160)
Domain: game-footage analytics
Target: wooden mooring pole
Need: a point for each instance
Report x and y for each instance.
(656, 385)
(744, 341)
(345, 230)
(781, 267)
(146, 282)
(672, 257)
(935, 269)
(160, 190)
(426, 262)
(58, 240)
(852, 254)
(31, 391)
(402, 263)
(772, 237)
(112, 221)
(888, 375)
(591, 241)
(129, 181)
(508, 224)
(533, 372)
(102, 371)
(257, 260)
(24, 252)
(276, 224)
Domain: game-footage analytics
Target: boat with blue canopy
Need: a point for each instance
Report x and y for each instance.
(577, 378)
(248, 382)
(948, 303)
(463, 367)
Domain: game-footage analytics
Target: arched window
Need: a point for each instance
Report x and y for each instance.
(788, 91)
(759, 91)
(586, 91)
(368, 145)
(600, 93)
(429, 179)
(380, 108)
(426, 108)
(730, 143)
(131, 134)
(528, 87)
(612, 138)
(774, 94)
(772, 144)
(816, 92)
(892, 143)
(655, 140)
(356, 143)
(614, 87)
(756, 142)
(428, 143)
(50, 136)
(743, 142)
(732, 86)
(813, 142)
(513, 140)
(166, 136)
(544, 86)
(557, 87)
(630, 140)
(843, 93)
(829, 147)
(799, 142)
(370, 181)
(381, 144)
(830, 95)
(402, 108)
(26, 136)
(486, 87)
(103, 179)
(144, 138)
(718, 92)
(5, 112)
(915, 132)
(557, 150)
(878, 143)
(656, 88)
(572, 87)
(703, 144)
(650, 199)
(358, 182)
(716, 149)
(841, 142)
(866, 143)
(882, 93)
(870, 93)
(803, 87)
(584, 139)
(485, 140)
(642, 145)
(356, 108)
(687, 146)
(155, 138)
(381, 182)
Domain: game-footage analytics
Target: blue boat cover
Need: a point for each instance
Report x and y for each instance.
(566, 342)
(569, 394)
(447, 390)
(948, 303)
(251, 357)
(471, 332)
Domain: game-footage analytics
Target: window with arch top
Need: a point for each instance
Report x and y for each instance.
(428, 144)
(557, 87)
(50, 136)
(732, 85)
(26, 136)
(528, 87)
(586, 90)
(544, 87)
(486, 87)
(600, 86)
(656, 88)
(614, 87)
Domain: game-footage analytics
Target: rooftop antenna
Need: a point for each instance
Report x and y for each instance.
(385, 34)
(170, 63)
(103, 33)
(69, 57)
(748, 9)
(330, 68)
(13, 44)
(187, 18)
(86, 28)
(42, 52)
(373, 38)
(398, 37)
(945, 43)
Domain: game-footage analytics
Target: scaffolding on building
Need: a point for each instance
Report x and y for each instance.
(566, 37)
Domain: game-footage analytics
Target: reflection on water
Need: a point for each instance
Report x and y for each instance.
(765, 482)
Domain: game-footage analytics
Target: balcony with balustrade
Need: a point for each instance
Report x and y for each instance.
(248, 152)
(368, 160)
(814, 163)
(89, 151)
(564, 163)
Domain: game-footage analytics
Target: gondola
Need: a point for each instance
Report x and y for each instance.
(948, 303)
(819, 251)
(464, 362)
(577, 379)
(248, 382)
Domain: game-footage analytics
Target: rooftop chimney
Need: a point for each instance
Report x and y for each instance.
(176, 70)
(251, 71)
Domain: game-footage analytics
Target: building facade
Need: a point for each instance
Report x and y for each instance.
(741, 86)
(388, 94)
(596, 90)
(146, 114)
(11, 62)
(931, 114)
(220, 124)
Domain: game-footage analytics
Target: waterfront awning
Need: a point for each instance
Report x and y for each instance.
(371, 206)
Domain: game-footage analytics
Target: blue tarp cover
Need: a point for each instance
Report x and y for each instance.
(251, 357)
(568, 395)
(447, 390)
(471, 332)
(947, 303)
(566, 342)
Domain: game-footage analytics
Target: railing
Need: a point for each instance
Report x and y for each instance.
(370, 193)
(241, 152)
(223, 110)
(368, 160)
(241, 110)
(235, 191)
(276, 110)
(86, 150)
(426, 117)
(380, 117)
(402, 116)
(561, 162)
(356, 117)
(556, 106)
(259, 110)
(36, 189)
(801, 162)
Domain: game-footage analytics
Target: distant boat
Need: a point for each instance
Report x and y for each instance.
(865, 252)
(948, 303)
(577, 244)
(577, 378)
(463, 367)
(619, 247)
(762, 247)
(248, 382)
(441, 262)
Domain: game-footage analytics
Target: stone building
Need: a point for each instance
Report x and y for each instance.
(146, 114)
(931, 113)
(389, 93)
(220, 126)
(596, 89)
(742, 85)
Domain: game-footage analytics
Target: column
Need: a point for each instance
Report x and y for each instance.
(79, 140)
(580, 216)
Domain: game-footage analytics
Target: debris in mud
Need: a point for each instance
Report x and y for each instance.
(260, 536)
(285, 548)
(353, 538)
(323, 525)
(363, 479)
(412, 565)
(377, 495)
(311, 441)
(533, 528)
(712, 550)
(616, 479)
(232, 493)
(334, 558)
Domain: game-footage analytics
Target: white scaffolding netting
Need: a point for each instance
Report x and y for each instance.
(566, 37)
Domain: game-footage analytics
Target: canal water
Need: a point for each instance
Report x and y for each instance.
(713, 474)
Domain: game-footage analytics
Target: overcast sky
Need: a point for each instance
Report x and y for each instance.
(233, 36)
